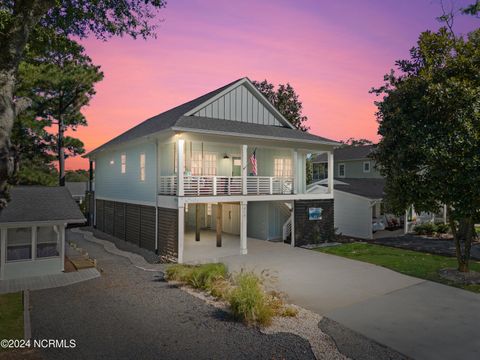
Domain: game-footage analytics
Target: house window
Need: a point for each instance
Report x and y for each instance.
(366, 167)
(123, 161)
(19, 244)
(341, 170)
(282, 167)
(205, 166)
(48, 241)
(142, 167)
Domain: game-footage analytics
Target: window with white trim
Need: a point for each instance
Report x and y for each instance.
(123, 163)
(366, 166)
(206, 166)
(142, 167)
(341, 170)
(19, 244)
(48, 241)
(282, 167)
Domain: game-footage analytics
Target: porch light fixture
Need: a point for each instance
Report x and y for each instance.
(226, 156)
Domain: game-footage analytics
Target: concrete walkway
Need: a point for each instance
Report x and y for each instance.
(47, 281)
(318, 281)
(137, 260)
(421, 319)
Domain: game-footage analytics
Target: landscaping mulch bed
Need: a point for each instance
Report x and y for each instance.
(432, 245)
(461, 278)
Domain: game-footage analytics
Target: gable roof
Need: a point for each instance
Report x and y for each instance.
(40, 203)
(76, 188)
(186, 117)
(368, 188)
(348, 153)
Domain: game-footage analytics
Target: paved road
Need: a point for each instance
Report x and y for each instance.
(127, 314)
(418, 318)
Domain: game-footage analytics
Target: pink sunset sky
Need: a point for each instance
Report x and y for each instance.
(331, 52)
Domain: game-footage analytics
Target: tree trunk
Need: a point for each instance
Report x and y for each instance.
(13, 39)
(463, 235)
(61, 154)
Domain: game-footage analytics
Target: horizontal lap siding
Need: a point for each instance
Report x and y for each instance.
(119, 228)
(168, 233)
(99, 215)
(108, 217)
(147, 227)
(132, 223)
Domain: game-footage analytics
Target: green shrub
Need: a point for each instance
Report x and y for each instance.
(248, 300)
(425, 229)
(443, 228)
(198, 276)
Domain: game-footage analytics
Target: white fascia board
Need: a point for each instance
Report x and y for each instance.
(224, 133)
(18, 224)
(245, 81)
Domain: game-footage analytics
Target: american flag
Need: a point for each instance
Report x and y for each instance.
(253, 161)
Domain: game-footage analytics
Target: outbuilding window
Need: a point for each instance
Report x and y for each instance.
(19, 244)
(48, 241)
(123, 161)
(341, 170)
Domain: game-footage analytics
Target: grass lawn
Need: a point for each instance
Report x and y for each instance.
(11, 316)
(413, 263)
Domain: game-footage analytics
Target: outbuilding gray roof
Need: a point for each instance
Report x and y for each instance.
(347, 153)
(40, 203)
(175, 119)
(369, 188)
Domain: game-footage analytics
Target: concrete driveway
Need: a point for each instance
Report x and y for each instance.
(421, 319)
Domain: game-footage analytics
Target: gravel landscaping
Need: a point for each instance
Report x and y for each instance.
(128, 313)
(426, 244)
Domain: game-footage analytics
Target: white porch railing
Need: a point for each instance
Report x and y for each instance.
(226, 185)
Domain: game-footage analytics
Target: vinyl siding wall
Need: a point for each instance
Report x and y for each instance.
(354, 169)
(265, 219)
(353, 215)
(110, 183)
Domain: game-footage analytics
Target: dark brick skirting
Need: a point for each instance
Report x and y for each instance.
(313, 231)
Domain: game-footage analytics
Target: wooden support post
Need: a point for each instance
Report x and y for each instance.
(197, 222)
(219, 224)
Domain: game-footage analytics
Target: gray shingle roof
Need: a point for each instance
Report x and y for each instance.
(348, 153)
(237, 127)
(369, 188)
(174, 118)
(40, 203)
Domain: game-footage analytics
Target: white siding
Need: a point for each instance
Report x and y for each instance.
(240, 105)
(352, 215)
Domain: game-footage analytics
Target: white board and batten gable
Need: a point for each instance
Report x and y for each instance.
(241, 102)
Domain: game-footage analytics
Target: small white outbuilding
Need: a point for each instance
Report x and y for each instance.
(32, 231)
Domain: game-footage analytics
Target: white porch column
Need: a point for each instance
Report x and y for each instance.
(295, 170)
(330, 171)
(243, 227)
(444, 213)
(181, 232)
(62, 245)
(180, 166)
(405, 223)
(244, 169)
(292, 236)
(3, 252)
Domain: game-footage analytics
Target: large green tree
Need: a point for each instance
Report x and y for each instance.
(20, 19)
(286, 100)
(59, 78)
(429, 123)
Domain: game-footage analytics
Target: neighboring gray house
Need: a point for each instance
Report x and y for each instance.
(77, 189)
(217, 169)
(352, 162)
(32, 231)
